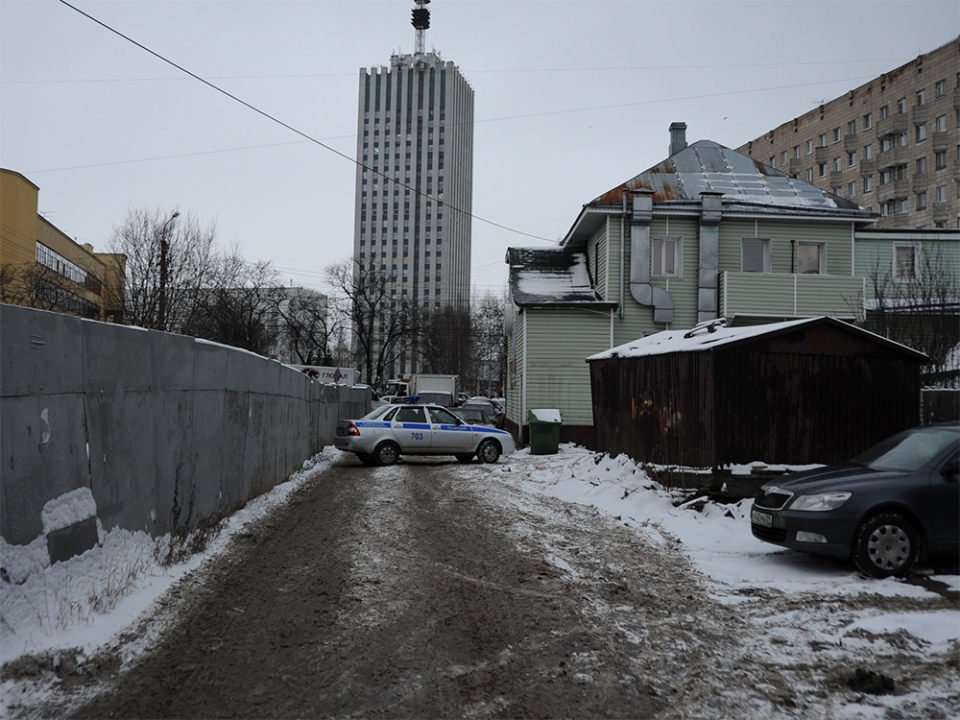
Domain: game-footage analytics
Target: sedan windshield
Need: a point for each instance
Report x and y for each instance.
(909, 450)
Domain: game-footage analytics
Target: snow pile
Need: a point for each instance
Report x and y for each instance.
(87, 600)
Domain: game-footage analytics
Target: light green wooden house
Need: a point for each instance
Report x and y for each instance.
(707, 233)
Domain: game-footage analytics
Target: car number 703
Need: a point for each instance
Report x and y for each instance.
(416, 436)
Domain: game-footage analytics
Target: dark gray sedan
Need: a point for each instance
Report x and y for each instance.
(897, 501)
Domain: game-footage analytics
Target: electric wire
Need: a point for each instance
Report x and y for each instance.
(291, 128)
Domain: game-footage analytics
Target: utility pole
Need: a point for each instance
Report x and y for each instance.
(164, 247)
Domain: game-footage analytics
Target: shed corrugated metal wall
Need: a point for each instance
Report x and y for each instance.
(817, 395)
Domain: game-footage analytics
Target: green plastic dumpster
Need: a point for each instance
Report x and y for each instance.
(544, 431)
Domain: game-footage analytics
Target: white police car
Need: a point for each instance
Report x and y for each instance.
(382, 436)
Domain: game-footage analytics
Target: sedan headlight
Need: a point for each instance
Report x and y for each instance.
(821, 501)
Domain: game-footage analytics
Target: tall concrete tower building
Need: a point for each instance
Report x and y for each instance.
(414, 189)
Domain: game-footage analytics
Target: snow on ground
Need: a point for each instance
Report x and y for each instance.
(88, 601)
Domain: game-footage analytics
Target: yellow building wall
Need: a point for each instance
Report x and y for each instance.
(21, 228)
(18, 219)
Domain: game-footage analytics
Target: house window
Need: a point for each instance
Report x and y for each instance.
(941, 159)
(852, 159)
(809, 147)
(921, 201)
(755, 255)
(823, 140)
(885, 177)
(940, 89)
(906, 262)
(886, 144)
(836, 135)
(902, 105)
(809, 175)
(868, 121)
(921, 97)
(941, 123)
(868, 152)
(941, 193)
(837, 164)
(822, 167)
(884, 112)
(810, 258)
(921, 165)
(852, 188)
(796, 152)
(868, 183)
(921, 132)
(667, 256)
(852, 127)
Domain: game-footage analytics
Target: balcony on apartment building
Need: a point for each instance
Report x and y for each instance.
(783, 295)
(894, 156)
(893, 125)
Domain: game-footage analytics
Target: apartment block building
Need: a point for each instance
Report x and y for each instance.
(891, 145)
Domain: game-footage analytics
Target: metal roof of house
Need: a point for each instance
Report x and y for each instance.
(551, 277)
(713, 334)
(747, 186)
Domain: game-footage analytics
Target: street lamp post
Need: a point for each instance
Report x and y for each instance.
(164, 246)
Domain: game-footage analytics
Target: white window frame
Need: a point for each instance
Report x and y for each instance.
(821, 257)
(766, 259)
(868, 121)
(900, 277)
(662, 260)
(867, 183)
(868, 152)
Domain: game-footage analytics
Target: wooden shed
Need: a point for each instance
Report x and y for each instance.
(815, 390)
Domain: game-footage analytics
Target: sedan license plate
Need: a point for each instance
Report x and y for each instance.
(761, 518)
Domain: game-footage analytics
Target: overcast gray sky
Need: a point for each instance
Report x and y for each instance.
(572, 98)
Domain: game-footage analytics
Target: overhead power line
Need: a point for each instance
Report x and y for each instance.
(289, 127)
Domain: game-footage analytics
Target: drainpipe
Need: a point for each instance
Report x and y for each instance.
(623, 258)
(707, 282)
(640, 288)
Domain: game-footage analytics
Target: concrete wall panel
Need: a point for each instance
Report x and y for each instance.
(166, 431)
(44, 456)
(35, 342)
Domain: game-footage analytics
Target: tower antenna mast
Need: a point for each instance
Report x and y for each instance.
(421, 21)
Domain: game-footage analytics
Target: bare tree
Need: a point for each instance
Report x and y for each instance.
(488, 343)
(310, 331)
(241, 307)
(169, 258)
(445, 340)
(37, 286)
(920, 311)
(381, 322)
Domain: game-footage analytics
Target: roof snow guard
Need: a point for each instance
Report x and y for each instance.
(551, 278)
(707, 166)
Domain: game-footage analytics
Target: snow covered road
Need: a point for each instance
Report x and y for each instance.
(551, 586)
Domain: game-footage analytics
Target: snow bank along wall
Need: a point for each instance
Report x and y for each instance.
(148, 430)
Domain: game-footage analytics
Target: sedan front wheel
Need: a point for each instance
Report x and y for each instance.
(885, 545)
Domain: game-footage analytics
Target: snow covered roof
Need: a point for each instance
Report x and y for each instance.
(706, 166)
(551, 276)
(712, 334)
(746, 186)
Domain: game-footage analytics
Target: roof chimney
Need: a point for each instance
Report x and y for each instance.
(678, 137)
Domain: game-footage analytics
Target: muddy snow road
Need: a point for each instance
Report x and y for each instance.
(434, 589)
